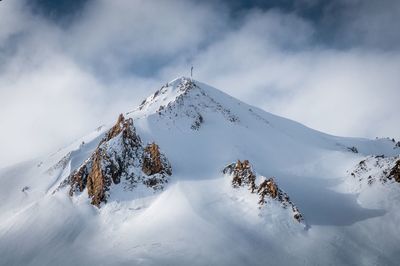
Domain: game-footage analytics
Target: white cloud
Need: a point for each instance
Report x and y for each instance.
(125, 35)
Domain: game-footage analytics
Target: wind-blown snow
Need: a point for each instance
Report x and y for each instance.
(199, 219)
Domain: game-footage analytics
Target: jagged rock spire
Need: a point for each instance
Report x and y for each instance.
(119, 157)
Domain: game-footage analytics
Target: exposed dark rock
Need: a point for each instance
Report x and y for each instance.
(117, 128)
(120, 156)
(78, 179)
(151, 160)
(154, 162)
(243, 176)
(156, 166)
(353, 149)
(377, 169)
(97, 182)
(395, 172)
(197, 122)
(269, 189)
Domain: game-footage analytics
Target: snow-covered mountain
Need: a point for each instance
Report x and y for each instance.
(195, 177)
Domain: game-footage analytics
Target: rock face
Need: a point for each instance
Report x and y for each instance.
(153, 161)
(120, 157)
(395, 172)
(267, 189)
(242, 174)
(377, 169)
(97, 183)
(156, 165)
(352, 149)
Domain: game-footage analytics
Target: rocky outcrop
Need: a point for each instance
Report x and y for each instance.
(117, 128)
(352, 149)
(120, 157)
(377, 169)
(97, 182)
(197, 122)
(78, 179)
(154, 162)
(243, 175)
(269, 189)
(397, 145)
(395, 172)
(156, 165)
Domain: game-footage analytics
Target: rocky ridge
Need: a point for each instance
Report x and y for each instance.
(120, 157)
(267, 190)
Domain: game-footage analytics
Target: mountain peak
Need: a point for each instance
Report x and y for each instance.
(188, 99)
(165, 95)
(180, 80)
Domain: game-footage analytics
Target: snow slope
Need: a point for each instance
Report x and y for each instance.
(199, 218)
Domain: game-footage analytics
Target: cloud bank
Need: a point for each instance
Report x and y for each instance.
(332, 66)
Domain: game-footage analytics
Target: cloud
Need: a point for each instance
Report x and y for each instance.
(348, 23)
(59, 82)
(124, 36)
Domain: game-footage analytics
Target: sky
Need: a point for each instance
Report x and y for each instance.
(68, 66)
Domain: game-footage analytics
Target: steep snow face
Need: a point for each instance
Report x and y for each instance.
(200, 218)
